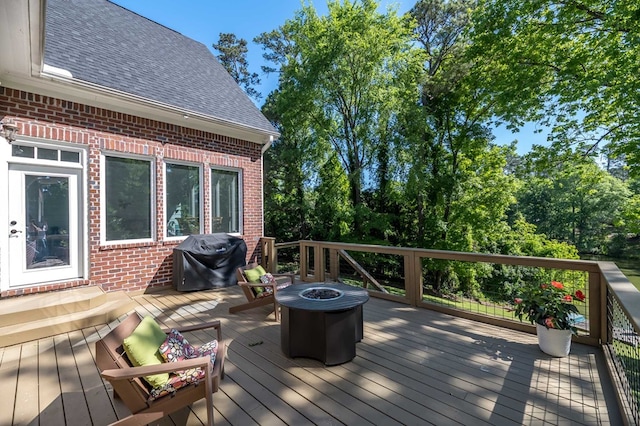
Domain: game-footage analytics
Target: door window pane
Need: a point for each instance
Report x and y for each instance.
(47, 219)
(225, 201)
(128, 199)
(183, 200)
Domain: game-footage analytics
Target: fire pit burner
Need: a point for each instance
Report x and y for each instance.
(321, 293)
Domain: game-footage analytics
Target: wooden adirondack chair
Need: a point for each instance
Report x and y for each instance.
(260, 298)
(134, 392)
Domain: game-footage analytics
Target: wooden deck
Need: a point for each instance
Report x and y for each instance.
(413, 367)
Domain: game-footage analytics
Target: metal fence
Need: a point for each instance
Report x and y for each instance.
(624, 353)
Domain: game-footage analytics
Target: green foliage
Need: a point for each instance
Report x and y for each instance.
(333, 213)
(287, 205)
(456, 191)
(574, 201)
(336, 80)
(572, 65)
(386, 135)
(233, 57)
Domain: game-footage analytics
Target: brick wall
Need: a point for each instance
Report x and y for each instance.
(135, 266)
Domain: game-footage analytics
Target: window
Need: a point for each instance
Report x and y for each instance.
(128, 198)
(182, 197)
(50, 154)
(225, 201)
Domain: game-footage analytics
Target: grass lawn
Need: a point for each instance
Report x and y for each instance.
(633, 274)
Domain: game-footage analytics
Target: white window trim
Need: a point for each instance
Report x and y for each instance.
(239, 171)
(103, 198)
(48, 144)
(164, 195)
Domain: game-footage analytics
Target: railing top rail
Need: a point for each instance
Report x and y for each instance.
(618, 284)
(627, 294)
(287, 245)
(542, 262)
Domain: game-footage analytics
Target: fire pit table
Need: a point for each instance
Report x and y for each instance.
(321, 321)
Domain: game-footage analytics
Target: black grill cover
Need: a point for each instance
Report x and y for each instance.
(207, 261)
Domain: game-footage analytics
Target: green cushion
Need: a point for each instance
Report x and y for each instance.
(253, 275)
(142, 348)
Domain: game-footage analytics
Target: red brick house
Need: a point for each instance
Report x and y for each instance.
(130, 136)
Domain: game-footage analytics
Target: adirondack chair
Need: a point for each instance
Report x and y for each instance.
(259, 293)
(129, 385)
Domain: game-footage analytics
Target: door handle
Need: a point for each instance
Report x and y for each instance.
(14, 231)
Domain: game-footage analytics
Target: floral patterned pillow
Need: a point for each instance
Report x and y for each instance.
(267, 279)
(177, 348)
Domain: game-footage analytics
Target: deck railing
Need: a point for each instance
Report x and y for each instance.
(611, 315)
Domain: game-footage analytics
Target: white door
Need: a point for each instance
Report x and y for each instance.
(44, 224)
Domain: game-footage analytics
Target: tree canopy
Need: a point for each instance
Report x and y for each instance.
(386, 128)
(570, 64)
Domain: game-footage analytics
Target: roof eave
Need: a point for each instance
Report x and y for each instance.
(56, 85)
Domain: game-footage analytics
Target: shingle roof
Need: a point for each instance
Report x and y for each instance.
(105, 44)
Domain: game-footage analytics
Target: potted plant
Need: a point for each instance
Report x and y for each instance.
(551, 308)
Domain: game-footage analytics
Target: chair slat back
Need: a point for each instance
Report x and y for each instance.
(110, 354)
(248, 291)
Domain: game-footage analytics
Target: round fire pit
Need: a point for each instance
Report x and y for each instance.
(321, 293)
(321, 321)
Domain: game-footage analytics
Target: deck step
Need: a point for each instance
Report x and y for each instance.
(32, 307)
(73, 311)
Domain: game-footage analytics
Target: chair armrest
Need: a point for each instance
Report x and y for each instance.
(212, 324)
(290, 276)
(253, 284)
(147, 370)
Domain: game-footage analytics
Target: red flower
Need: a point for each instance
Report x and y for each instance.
(557, 285)
(518, 300)
(568, 298)
(548, 322)
(580, 296)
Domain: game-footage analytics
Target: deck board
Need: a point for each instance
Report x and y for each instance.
(413, 366)
(9, 378)
(50, 400)
(26, 405)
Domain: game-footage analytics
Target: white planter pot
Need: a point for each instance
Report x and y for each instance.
(554, 342)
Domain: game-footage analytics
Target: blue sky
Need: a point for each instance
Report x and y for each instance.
(204, 20)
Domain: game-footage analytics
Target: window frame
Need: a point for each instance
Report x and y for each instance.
(240, 200)
(199, 166)
(103, 198)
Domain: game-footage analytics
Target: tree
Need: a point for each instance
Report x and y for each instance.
(569, 64)
(332, 209)
(456, 191)
(233, 56)
(336, 78)
(575, 201)
(286, 170)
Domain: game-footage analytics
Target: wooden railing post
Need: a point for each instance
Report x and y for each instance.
(597, 306)
(304, 260)
(413, 278)
(319, 263)
(334, 265)
(318, 259)
(269, 260)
